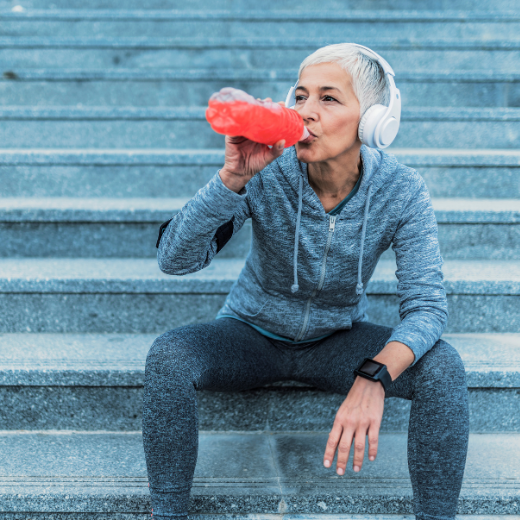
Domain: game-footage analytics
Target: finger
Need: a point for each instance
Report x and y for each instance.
(332, 443)
(343, 451)
(236, 139)
(359, 448)
(277, 149)
(373, 440)
(281, 103)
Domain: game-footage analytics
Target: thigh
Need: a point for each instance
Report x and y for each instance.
(439, 375)
(330, 364)
(222, 355)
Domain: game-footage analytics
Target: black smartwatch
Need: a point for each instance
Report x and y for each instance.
(374, 371)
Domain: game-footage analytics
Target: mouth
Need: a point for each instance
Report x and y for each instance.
(310, 138)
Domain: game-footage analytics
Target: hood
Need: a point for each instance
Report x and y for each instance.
(371, 160)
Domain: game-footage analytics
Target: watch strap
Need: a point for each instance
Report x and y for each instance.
(385, 379)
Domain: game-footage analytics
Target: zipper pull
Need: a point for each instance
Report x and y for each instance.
(332, 223)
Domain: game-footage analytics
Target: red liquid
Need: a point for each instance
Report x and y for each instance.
(233, 112)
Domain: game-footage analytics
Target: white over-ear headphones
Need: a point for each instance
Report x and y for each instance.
(379, 125)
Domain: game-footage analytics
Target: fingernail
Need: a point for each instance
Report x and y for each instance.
(340, 471)
(356, 468)
(372, 458)
(327, 463)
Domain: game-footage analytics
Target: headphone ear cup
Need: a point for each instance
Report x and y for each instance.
(368, 124)
(290, 100)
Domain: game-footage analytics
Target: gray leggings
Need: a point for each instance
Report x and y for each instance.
(229, 355)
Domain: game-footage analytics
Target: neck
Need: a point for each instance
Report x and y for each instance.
(335, 178)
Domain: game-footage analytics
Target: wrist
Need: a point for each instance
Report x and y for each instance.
(231, 181)
(374, 371)
(369, 382)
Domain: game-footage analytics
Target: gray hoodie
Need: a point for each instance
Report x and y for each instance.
(306, 273)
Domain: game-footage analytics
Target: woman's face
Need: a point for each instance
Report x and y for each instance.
(330, 109)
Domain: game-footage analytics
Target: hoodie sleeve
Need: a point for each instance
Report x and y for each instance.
(423, 307)
(202, 227)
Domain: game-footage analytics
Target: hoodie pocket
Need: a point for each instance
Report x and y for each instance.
(250, 306)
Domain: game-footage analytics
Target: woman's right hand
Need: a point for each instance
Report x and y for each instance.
(245, 158)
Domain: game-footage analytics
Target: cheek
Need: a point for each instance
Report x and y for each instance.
(343, 132)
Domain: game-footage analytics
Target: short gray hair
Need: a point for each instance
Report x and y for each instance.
(368, 78)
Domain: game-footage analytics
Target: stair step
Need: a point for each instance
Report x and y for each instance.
(82, 298)
(94, 382)
(182, 127)
(492, 360)
(261, 473)
(268, 5)
(181, 23)
(132, 295)
(140, 87)
(247, 53)
(180, 173)
(101, 227)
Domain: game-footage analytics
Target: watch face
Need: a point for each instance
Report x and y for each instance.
(370, 367)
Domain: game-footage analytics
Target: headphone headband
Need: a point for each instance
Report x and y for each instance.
(384, 64)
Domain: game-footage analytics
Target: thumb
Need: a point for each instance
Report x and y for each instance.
(277, 149)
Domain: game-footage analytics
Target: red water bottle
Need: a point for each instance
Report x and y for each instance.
(234, 112)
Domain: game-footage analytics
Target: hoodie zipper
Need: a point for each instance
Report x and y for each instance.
(332, 225)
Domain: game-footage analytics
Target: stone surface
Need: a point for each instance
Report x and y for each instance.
(53, 23)
(192, 88)
(105, 228)
(67, 209)
(230, 52)
(235, 516)
(143, 276)
(104, 472)
(157, 313)
(276, 409)
(170, 87)
(94, 382)
(491, 360)
(186, 127)
(113, 240)
(132, 295)
(270, 5)
(105, 100)
(474, 241)
(180, 173)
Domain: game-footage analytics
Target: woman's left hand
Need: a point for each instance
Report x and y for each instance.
(362, 410)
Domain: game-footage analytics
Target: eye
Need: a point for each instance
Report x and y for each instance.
(298, 98)
(330, 97)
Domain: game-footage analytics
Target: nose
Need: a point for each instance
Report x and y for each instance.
(308, 109)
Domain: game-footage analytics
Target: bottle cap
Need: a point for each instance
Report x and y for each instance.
(305, 134)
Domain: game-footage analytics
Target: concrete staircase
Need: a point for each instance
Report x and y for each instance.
(103, 138)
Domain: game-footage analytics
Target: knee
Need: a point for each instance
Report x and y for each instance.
(170, 356)
(443, 364)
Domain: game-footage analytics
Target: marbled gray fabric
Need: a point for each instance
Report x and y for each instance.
(400, 214)
(229, 355)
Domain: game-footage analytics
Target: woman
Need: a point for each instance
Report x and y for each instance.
(322, 213)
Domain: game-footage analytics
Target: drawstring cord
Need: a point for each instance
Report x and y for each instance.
(295, 286)
(359, 286)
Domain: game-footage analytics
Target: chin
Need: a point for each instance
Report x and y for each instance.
(304, 153)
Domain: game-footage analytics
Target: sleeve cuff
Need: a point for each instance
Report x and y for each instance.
(241, 194)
